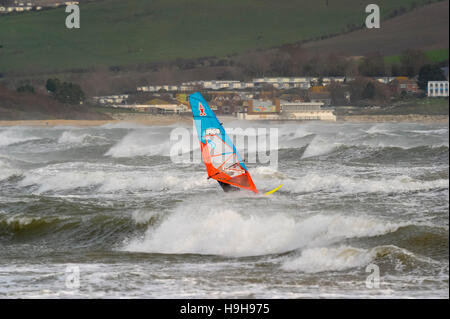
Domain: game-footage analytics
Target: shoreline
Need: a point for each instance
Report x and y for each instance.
(150, 119)
(141, 119)
(409, 118)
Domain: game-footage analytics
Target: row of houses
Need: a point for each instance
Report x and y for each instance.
(167, 88)
(190, 86)
(315, 94)
(215, 85)
(410, 85)
(220, 85)
(304, 82)
(245, 105)
(252, 104)
(160, 106)
(19, 8)
(278, 109)
(28, 6)
(111, 99)
(154, 105)
(252, 109)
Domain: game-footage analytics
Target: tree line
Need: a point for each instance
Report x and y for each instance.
(64, 92)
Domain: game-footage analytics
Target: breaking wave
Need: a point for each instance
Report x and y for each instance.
(314, 182)
(321, 259)
(329, 259)
(106, 178)
(6, 171)
(14, 136)
(72, 138)
(229, 233)
(319, 147)
(141, 143)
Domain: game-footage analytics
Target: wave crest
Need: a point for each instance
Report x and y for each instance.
(227, 232)
(321, 259)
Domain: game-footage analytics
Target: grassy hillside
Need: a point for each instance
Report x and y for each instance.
(434, 56)
(425, 28)
(117, 32)
(427, 106)
(28, 106)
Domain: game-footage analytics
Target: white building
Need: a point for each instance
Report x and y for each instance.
(297, 111)
(437, 89)
(190, 86)
(111, 100)
(303, 82)
(337, 79)
(384, 79)
(19, 8)
(219, 84)
(307, 111)
(168, 88)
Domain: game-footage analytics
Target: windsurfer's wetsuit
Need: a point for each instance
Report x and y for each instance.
(228, 188)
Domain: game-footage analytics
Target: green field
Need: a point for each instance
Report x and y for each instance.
(117, 32)
(425, 106)
(434, 56)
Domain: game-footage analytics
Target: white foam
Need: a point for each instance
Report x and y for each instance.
(141, 143)
(266, 172)
(72, 138)
(13, 136)
(443, 131)
(320, 259)
(19, 221)
(380, 129)
(212, 230)
(314, 260)
(109, 178)
(142, 217)
(7, 171)
(319, 146)
(136, 181)
(314, 182)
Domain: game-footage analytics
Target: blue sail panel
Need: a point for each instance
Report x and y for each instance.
(206, 120)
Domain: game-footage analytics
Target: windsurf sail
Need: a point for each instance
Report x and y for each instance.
(219, 154)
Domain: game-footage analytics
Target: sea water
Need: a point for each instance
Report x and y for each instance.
(108, 205)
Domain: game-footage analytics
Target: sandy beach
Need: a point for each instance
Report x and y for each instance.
(150, 119)
(412, 118)
(142, 119)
